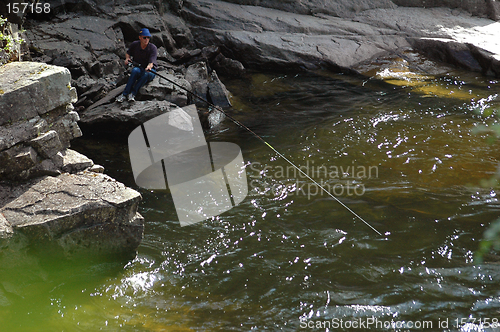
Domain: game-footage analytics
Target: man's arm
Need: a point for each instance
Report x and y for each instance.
(127, 59)
(152, 57)
(130, 52)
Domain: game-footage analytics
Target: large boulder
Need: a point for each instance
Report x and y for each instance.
(217, 91)
(75, 212)
(206, 87)
(127, 115)
(47, 191)
(37, 120)
(33, 89)
(77, 42)
(197, 76)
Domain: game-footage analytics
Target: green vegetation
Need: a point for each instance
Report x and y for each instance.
(491, 236)
(9, 45)
(491, 240)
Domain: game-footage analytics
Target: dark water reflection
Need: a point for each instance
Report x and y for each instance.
(289, 252)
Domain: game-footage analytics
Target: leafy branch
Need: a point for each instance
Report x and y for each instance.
(8, 43)
(491, 236)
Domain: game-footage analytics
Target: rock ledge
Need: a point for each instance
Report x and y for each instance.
(77, 212)
(49, 193)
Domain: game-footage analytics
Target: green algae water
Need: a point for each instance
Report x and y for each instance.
(405, 157)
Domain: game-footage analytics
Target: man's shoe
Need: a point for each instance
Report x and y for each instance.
(120, 98)
(131, 97)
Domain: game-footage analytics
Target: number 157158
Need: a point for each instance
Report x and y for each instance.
(33, 8)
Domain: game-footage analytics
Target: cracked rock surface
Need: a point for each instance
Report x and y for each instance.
(51, 195)
(313, 36)
(74, 211)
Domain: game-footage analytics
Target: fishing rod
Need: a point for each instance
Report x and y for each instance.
(269, 146)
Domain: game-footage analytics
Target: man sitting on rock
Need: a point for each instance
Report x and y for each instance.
(144, 54)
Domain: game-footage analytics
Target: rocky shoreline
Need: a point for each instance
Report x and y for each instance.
(48, 192)
(74, 70)
(89, 37)
(200, 40)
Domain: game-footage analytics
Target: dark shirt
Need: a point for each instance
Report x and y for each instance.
(143, 56)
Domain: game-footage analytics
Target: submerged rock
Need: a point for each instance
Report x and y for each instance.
(217, 91)
(207, 86)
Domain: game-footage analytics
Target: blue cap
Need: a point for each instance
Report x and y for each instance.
(145, 33)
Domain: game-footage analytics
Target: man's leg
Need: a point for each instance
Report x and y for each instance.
(145, 78)
(134, 76)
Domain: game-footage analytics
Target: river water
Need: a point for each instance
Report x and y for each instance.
(403, 154)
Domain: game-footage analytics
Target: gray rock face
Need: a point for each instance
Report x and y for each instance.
(76, 212)
(72, 211)
(76, 43)
(440, 33)
(92, 42)
(126, 114)
(483, 8)
(33, 89)
(37, 120)
(268, 38)
(349, 8)
(339, 8)
(132, 23)
(162, 89)
(179, 30)
(267, 34)
(218, 92)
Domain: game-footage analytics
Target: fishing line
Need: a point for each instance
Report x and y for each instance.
(271, 147)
